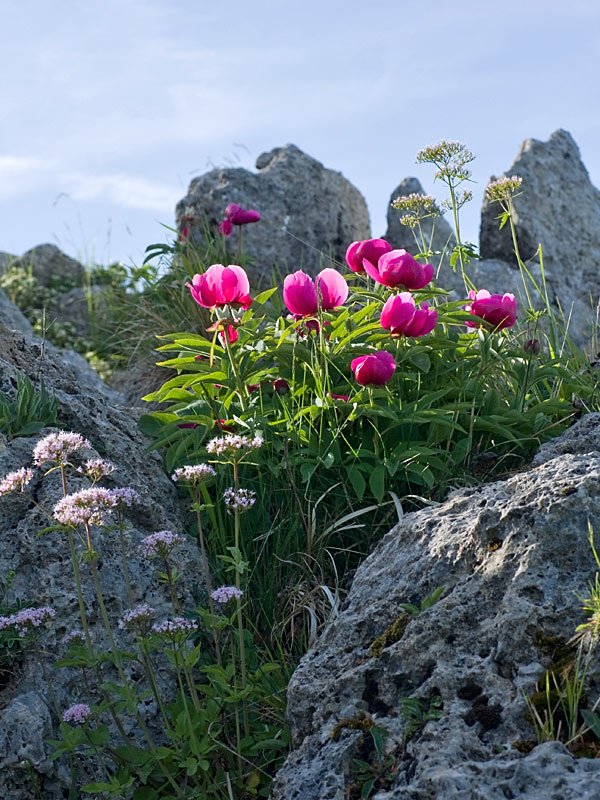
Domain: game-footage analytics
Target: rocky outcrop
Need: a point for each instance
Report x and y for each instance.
(51, 267)
(309, 214)
(513, 558)
(30, 706)
(6, 259)
(559, 208)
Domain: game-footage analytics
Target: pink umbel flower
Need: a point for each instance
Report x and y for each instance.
(498, 310)
(57, 447)
(194, 474)
(77, 714)
(224, 594)
(176, 628)
(303, 295)
(399, 269)
(137, 619)
(369, 249)
(239, 500)
(27, 619)
(124, 496)
(221, 286)
(160, 544)
(87, 507)
(402, 317)
(234, 445)
(16, 481)
(375, 369)
(96, 468)
(236, 215)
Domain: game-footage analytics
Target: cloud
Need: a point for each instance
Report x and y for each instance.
(123, 189)
(21, 174)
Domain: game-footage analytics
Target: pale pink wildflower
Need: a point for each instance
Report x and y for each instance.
(58, 447)
(87, 507)
(16, 481)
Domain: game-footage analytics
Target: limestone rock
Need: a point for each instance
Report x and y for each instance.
(11, 317)
(513, 557)
(310, 214)
(6, 260)
(41, 566)
(559, 208)
(437, 231)
(51, 266)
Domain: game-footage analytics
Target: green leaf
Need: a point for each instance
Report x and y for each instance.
(377, 482)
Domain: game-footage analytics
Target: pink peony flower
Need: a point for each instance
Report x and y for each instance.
(399, 269)
(228, 334)
(498, 310)
(281, 386)
(301, 292)
(375, 369)
(371, 249)
(236, 215)
(221, 286)
(401, 316)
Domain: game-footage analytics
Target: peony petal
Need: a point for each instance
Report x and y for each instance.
(332, 287)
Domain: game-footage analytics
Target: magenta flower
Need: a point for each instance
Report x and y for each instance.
(301, 292)
(375, 369)
(498, 310)
(281, 386)
(221, 286)
(401, 316)
(371, 249)
(399, 269)
(236, 215)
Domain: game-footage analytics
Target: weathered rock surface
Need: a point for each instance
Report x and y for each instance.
(309, 213)
(51, 266)
(559, 208)
(29, 710)
(436, 231)
(6, 260)
(513, 557)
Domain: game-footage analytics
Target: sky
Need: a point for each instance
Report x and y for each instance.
(109, 108)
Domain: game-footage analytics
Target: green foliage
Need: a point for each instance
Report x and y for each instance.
(29, 412)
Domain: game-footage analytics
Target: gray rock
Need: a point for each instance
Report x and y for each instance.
(73, 307)
(559, 208)
(310, 214)
(6, 259)
(437, 231)
(51, 266)
(41, 566)
(513, 557)
(11, 317)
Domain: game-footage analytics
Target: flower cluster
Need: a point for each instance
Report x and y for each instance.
(239, 500)
(224, 594)
(96, 468)
(502, 189)
(174, 628)
(86, 507)
(234, 445)
(73, 636)
(124, 496)
(77, 714)
(57, 447)
(416, 207)
(303, 296)
(138, 618)
(160, 544)
(16, 481)
(27, 619)
(194, 474)
(450, 158)
(236, 215)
